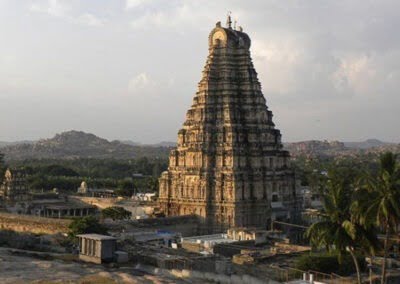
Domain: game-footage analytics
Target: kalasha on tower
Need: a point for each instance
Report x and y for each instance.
(229, 167)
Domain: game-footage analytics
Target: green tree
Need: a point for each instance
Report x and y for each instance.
(328, 263)
(116, 213)
(152, 184)
(86, 225)
(126, 187)
(338, 231)
(380, 200)
(58, 170)
(2, 166)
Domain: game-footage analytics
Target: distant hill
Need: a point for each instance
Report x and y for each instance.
(129, 142)
(164, 144)
(160, 144)
(337, 148)
(315, 145)
(370, 143)
(4, 144)
(78, 144)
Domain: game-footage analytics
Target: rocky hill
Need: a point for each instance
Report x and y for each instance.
(4, 143)
(337, 148)
(77, 144)
(367, 144)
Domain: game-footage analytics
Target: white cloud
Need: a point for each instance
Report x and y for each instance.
(184, 14)
(314, 59)
(140, 81)
(54, 8)
(90, 20)
(143, 82)
(357, 73)
(62, 10)
(130, 4)
(276, 61)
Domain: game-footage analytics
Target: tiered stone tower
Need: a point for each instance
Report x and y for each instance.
(14, 186)
(229, 167)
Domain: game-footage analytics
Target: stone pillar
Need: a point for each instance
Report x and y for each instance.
(81, 245)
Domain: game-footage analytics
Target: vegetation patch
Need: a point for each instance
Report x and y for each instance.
(329, 263)
(86, 225)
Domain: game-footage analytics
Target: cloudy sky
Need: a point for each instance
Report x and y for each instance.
(128, 69)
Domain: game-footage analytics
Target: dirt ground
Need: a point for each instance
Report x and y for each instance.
(25, 269)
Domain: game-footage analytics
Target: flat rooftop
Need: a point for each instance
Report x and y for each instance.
(215, 238)
(96, 237)
(69, 206)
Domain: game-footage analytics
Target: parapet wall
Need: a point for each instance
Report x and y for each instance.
(187, 225)
(33, 224)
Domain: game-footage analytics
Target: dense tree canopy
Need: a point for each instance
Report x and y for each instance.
(86, 225)
(67, 175)
(116, 213)
(2, 166)
(338, 231)
(379, 200)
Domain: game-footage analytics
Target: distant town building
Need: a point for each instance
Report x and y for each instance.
(149, 196)
(101, 192)
(14, 186)
(52, 205)
(311, 199)
(206, 243)
(95, 192)
(246, 234)
(157, 237)
(96, 248)
(66, 210)
(229, 167)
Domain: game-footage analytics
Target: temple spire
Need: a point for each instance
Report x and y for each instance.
(229, 20)
(228, 165)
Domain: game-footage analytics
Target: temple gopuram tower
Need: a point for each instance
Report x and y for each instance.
(229, 167)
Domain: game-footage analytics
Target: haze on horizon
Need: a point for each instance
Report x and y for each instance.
(129, 69)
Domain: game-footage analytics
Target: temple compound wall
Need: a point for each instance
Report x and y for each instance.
(229, 167)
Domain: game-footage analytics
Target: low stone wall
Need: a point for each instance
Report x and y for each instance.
(230, 249)
(97, 201)
(186, 226)
(193, 247)
(33, 224)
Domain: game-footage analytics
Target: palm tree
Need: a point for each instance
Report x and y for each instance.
(380, 200)
(338, 230)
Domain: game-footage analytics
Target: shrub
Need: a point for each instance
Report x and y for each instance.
(116, 213)
(329, 263)
(86, 225)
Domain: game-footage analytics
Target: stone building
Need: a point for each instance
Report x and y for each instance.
(66, 210)
(96, 248)
(229, 165)
(14, 186)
